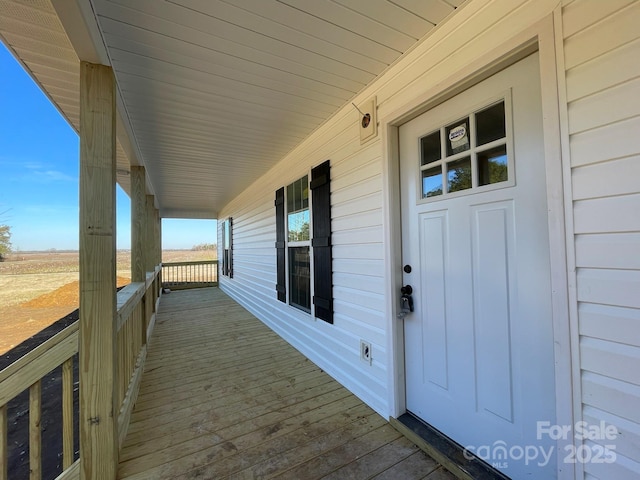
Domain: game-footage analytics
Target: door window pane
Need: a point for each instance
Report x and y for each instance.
(466, 154)
(459, 175)
(457, 137)
(490, 124)
(492, 166)
(432, 182)
(431, 148)
(300, 278)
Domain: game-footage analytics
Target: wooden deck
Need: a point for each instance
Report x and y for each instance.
(222, 396)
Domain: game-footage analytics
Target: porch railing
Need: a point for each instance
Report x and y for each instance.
(27, 373)
(137, 304)
(182, 275)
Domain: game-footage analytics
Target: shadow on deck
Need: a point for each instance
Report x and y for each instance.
(223, 396)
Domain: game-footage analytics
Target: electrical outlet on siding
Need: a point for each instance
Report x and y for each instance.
(365, 352)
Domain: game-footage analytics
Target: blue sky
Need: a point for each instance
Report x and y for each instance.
(39, 174)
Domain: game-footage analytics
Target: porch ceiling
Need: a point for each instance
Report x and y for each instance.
(212, 93)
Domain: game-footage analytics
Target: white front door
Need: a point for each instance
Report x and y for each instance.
(479, 343)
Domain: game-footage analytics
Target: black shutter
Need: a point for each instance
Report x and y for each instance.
(322, 274)
(280, 250)
(230, 247)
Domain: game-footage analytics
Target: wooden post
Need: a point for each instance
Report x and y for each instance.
(138, 224)
(150, 229)
(139, 235)
(158, 242)
(97, 346)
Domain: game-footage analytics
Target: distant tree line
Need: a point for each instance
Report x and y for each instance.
(204, 246)
(5, 241)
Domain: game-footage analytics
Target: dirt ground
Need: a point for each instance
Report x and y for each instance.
(39, 296)
(36, 289)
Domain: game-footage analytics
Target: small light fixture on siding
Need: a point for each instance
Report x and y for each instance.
(368, 120)
(121, 172)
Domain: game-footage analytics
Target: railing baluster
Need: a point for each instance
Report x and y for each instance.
(67, 413)
(35, 443)
(4, 441)
(180, 275)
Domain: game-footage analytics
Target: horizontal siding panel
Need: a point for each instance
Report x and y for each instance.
(613, 323)
(609, 287)
(615, 360)
(620, 64)
(358, 236)
(627, 441)
(371, 251)
(623, 468)
(619, 398)
(359, 282)
(358, 205)
(359, 298)
(371, 169)
(362, 330)
(355, 161)
(370, 218)
(609, 106)
(618, 250)
(610, 33)
(608, 215)
(606, 143)
(368, 267)
(363, 188)
(374, 319)
(617, 177)
(584, 13)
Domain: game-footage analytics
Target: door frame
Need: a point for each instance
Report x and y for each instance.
(544, 36)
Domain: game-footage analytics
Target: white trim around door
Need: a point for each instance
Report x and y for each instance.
(540, 36)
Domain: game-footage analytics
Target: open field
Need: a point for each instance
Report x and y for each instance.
(36, 289)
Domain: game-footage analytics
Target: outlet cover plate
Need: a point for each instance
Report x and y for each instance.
(365, 352)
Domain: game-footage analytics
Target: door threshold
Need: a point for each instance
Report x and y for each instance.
(444, 450)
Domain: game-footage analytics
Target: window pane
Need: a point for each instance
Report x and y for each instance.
(490, 124)
(227, 234)
(430, 146)
(298, 226)
(457, 135)
(300, 278)
(298, 210)
(432, 182)
(459, 175)
(492, 166)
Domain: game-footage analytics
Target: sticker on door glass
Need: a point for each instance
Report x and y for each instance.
(458, 138)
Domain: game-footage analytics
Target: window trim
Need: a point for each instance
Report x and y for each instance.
(289, 245)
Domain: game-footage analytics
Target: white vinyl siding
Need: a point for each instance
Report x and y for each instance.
(602, 48)
(602, 45)
(360, 289)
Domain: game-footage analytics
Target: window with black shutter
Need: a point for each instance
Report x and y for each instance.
(227, 247)
(303, 244)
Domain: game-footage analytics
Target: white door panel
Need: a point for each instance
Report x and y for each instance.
(479, 344)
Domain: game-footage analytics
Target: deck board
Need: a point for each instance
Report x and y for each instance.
(222, 396)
